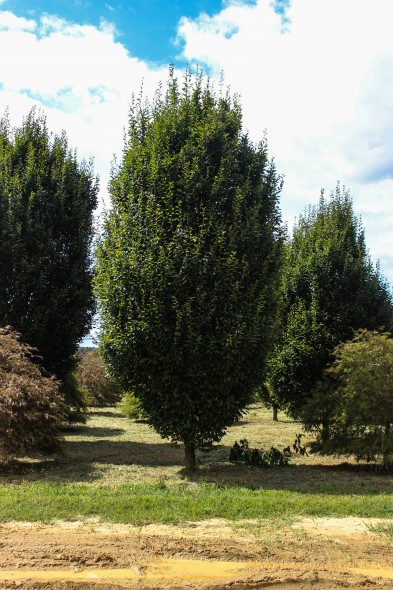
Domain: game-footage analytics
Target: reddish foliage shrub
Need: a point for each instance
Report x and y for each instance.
(31, 406)
(100, 390)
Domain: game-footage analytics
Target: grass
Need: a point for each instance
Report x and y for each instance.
(122, 471)
(145, 503)
(383, 529)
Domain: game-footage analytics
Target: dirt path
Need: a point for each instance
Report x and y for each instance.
(318, 554)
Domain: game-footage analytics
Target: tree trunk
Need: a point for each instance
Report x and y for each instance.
(325, 430)
(387, 458)
(189, 456)
(275, 412)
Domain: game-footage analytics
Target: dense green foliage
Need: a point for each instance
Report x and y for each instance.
(361, 381)
(256, 457)
(31, 407)
(92, 377)
(131, 407)
(46, 204)
(187, 265)
(330, 289)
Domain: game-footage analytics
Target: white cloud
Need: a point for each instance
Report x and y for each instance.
(10, 22)
(321, 86)
(80, 75)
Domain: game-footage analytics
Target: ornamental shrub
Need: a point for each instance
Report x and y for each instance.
(31, 407)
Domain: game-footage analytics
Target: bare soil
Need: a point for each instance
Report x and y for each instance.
(309, 554)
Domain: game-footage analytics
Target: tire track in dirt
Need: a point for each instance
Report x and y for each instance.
(318, 554)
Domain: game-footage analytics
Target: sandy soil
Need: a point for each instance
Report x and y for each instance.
(312, 554)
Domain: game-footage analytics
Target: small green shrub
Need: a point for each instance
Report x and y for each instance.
(271, 458)
(131, 407)
(298, 447)
(356, 417)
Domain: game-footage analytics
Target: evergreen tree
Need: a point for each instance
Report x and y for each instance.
(46, 204)
(330, 289)
(187, 265)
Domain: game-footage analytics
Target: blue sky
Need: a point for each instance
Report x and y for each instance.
(148, 28)
(315, 74)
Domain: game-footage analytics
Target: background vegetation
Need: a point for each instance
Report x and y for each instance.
(47, 199)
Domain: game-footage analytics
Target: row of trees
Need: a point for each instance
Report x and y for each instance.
(196, 281)
(201, 295)
(330, 289)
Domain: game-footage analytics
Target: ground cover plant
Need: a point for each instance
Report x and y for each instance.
(122, 471)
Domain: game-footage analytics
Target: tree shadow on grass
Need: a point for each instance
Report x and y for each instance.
(98, 431)
(342, 478)
(107, 414)
(125, 453)
(87, 461)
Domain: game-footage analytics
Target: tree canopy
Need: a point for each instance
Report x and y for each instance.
(47, 200)
(361, 379)
(330, 288)
(188, 261)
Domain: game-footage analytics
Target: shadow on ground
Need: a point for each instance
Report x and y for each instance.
(86, 461)
(113, 452)
(107, 414)
(325, 479)
(97, 432)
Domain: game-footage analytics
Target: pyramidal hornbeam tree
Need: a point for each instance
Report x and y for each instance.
(47, 199)
(188, 260)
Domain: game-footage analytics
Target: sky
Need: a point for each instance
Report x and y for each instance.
(317, 75)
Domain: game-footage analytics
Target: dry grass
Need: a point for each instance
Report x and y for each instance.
(112, 450)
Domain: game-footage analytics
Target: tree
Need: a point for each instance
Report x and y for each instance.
(91, 374)
(46, 203)
(266, 396)
(187, 265)
(361, 379)
(31, 407)
(330, 288)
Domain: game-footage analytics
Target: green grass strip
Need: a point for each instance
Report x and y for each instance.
(146, 503)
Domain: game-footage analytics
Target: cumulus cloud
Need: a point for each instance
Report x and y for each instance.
(317, 74)
(79, 74)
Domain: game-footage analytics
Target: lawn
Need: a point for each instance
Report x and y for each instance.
(118, 470)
